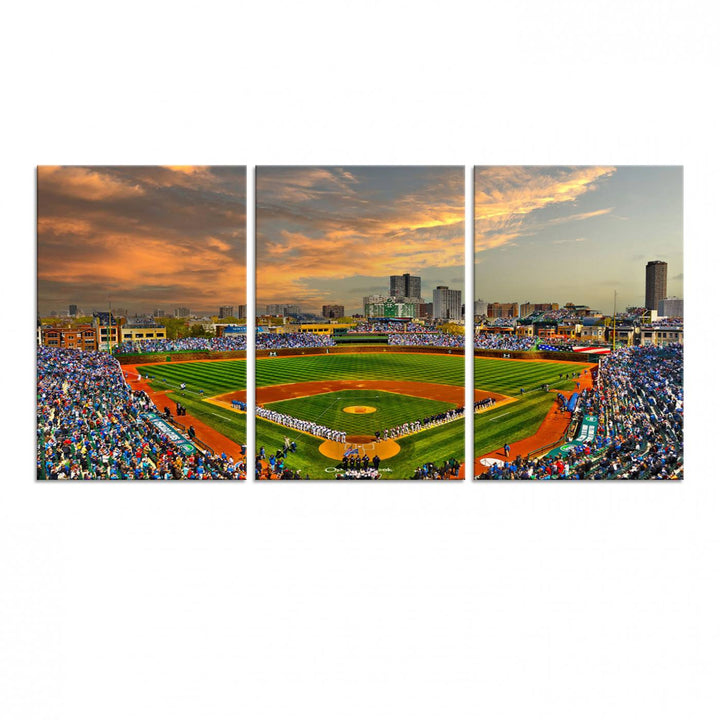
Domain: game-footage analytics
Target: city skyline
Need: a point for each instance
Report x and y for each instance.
(576, 234)
(331, 235)
(140, 237)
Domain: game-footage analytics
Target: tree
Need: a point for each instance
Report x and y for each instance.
(174, 327)
(198, 330)
(452, 329)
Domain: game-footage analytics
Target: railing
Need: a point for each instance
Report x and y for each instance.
(194, 440)
(542, 450)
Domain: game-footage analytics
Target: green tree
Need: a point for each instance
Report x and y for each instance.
(174, 327)
(198, 330)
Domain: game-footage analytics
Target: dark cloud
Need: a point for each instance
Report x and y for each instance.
(141, 234)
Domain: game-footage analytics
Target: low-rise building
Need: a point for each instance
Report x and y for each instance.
(624, 334)
(320, 328)
(592, 333)
(502, 310)
(671, 307)
(333, 311)
(138, 333)
(81, 337)
(661, 335)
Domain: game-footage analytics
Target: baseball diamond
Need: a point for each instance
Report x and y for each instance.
(390, 389)
(400, 388)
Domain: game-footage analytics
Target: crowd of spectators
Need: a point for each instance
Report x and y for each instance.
(638, 401)
(449, 469)
(666, 322)
(90, 425)
(263, 341)
(236, 341)
(503, 341)
(427, 339)
(386, 326)
(276, 341)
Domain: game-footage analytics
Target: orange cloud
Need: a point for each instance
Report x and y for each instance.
(134, 234)
(324, 224)
(85, 184)
(505, 197)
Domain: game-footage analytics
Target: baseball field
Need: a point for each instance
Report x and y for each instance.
(359, 395)
(518, 419)
(356, 394)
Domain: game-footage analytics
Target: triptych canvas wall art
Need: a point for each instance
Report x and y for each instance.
(358, 320)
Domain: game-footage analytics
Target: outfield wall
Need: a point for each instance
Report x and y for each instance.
(539, 355)
(141, 358)
(356, 349)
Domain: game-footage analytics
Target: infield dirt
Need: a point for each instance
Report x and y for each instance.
(430, 391)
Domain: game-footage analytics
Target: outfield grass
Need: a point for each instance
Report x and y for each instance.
(446, 369)
(213, 378)
(436, 445)
(392, 409)
(519, 420)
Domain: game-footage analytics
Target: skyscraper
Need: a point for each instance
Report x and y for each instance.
(447, 304)
(406, 285)
(655, 283)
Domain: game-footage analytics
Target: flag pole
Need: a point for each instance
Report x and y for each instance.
(614, 314)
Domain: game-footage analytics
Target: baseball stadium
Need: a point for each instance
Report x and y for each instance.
(382, 401)
(358, 406)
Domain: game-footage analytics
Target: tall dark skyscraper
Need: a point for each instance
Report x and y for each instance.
(405, 286)
(655, 283)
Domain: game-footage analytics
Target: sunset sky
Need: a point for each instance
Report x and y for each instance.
(576, 234)
(141, 237)
(329, 235)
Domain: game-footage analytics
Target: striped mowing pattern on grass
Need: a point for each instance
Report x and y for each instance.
(213, 378)
(449, 369)
(392, 409)
(508, 376)
(521, 419)
(437, 444)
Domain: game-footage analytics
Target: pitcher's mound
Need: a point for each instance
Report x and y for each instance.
(383, 449)
(359, 409)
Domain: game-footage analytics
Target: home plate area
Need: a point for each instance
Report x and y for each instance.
(372, 414)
